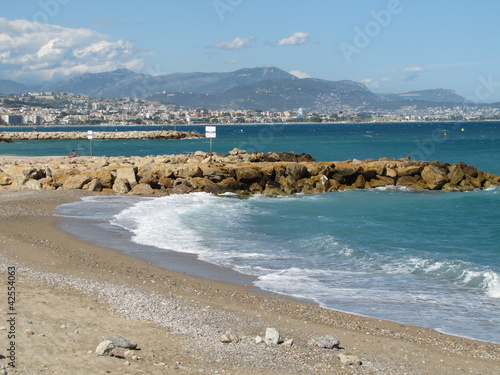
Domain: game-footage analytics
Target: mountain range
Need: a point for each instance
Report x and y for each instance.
(264, 88)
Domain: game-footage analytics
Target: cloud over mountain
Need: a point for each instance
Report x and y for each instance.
(235, 44)
(36, 52)
(295, 39)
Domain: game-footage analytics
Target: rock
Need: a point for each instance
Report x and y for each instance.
(188, 171)
(121, 186)
(349, 360)
(183, 186)
(409, 170)
(380, 181)
(237, 151)
(105, 348)
(272, 336)
(360, 182)
(455, 175)
(248, 175)
(105, 177)
(229, 337)
(288, 342)
(297, 171)
(141, 189)
(5, 179)
(258, 339)
(76, 182)
(434, 176)
(121, 342)
(93, 185)
(129, 174)
(327, 342)
(31, 185)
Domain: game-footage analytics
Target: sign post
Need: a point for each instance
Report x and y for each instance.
(90, 136)
(210, 133)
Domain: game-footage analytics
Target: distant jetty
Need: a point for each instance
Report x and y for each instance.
(136, 134)
(239, 172)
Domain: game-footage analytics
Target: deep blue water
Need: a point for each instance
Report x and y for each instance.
(430, 259)
(475, 143)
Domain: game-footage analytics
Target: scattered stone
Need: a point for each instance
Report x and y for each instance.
(258, 339)
(105, 348)
(121, 342)
(229, 337)
(288, 342)
(349, 360)
(326, 342)
(29, 332)
(272, 336)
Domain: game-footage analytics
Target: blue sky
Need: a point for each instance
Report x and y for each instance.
(390, 45)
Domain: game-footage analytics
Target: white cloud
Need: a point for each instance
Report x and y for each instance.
(299, 74)
(411, 73)
(413, 69)
(373, 83)
(295, 40)
(35, 52)
(237, 43)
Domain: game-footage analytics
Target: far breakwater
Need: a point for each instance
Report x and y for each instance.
(137, 134)
(239, 172)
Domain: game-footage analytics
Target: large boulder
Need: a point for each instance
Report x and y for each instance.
(129, 174)
(186, 171)
(104, 176)
(410, 170)
(76, 182)
(248, 174)
(141, 189)
(121, 186)
(455, 174)
(296, 171)
(380, 181)
(434, 176)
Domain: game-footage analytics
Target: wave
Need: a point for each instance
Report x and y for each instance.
(461, 274)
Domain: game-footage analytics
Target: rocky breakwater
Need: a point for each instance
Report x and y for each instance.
(239, 172)
(136, 134)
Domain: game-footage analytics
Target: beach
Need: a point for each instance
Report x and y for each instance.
(71, 294)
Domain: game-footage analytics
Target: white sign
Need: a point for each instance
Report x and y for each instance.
(90, 134)
(210, 131)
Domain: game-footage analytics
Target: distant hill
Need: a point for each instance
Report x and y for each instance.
(432, 95)
(279, 95)
(264, 88)
(10, 87)
(124, 83)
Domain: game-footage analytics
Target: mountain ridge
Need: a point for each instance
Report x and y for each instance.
(265, 88)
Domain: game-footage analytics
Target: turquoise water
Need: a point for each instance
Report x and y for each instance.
(475, 143)
(430, 259)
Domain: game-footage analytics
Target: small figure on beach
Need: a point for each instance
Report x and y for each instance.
(72, 154)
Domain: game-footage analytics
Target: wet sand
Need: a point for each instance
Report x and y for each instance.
(71, 293)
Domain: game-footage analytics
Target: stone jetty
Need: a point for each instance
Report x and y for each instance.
(239, 172)
(136, 134)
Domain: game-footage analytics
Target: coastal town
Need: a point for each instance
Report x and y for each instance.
(51, 108)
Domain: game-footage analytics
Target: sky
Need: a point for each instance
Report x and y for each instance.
(392, 46)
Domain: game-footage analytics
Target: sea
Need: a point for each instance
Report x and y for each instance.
(425, 258)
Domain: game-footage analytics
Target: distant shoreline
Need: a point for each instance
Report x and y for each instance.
(243, 124)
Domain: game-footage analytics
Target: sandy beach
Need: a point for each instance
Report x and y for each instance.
(70, 294)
